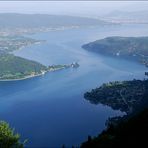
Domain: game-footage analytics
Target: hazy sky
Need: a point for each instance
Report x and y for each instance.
(86, 8)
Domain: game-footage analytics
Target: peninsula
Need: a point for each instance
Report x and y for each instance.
(124, 95)
(131, 48)
(17, 68)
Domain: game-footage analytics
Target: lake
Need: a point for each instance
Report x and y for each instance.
(50, 110)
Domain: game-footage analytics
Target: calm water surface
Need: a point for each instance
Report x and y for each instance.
(50, 110)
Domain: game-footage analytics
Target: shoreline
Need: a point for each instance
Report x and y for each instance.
(31, 76)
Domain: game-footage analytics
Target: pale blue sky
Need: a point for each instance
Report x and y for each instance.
(83, 8)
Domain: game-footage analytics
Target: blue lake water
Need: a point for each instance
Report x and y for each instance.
(50, 110)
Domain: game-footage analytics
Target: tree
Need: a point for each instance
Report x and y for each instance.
(8, 137)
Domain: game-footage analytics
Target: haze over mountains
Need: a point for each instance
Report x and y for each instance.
(18, 20)
(127, 16)
(14, 20)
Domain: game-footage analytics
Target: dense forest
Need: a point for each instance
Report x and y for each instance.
(131, 132)
(125, 95)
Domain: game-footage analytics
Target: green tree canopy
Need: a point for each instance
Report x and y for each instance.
(8, 137)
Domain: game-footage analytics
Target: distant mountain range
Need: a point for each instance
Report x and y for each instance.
(127, 16)
(14, 20)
